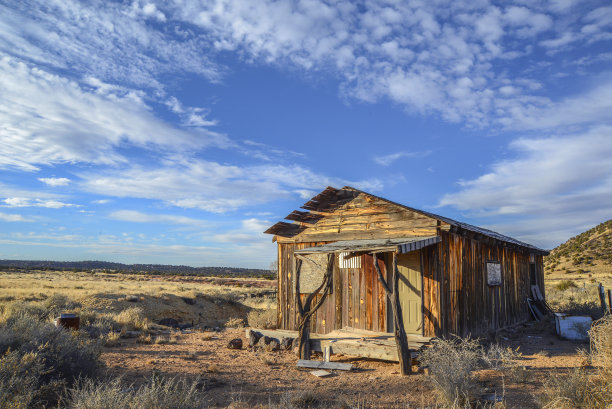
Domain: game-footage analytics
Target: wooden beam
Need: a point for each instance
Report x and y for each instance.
(306, 363)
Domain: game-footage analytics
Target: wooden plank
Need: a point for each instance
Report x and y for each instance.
(304, 363)
(321, 373)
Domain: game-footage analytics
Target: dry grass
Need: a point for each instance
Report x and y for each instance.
(265, 319)
(107, 298)
(235, 322)
(585, 388)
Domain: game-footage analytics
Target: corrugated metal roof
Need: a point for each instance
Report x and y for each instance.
(401, 245)
(455, 223)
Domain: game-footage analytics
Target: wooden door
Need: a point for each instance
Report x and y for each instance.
(410, 279)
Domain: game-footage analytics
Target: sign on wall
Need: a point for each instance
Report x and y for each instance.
(312, 272)
(494, 273)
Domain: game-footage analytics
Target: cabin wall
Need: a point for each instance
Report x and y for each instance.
(456, 296)
(358, 299)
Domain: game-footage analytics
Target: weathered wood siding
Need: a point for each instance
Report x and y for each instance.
(358, 299)
(456, 296)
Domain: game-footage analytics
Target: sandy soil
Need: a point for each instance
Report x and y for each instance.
(258, 377)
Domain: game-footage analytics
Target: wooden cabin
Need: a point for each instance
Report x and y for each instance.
(454, 278)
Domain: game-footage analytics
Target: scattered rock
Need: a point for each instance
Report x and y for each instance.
(254, 337)
(273, 345)
(286, 344)
(189, 301)
(131, 298)
(185, 326)
(169, 322)
(235, 343)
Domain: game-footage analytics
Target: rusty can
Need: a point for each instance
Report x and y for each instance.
(71, 321)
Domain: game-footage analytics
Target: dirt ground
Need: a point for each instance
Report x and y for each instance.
(261, 377)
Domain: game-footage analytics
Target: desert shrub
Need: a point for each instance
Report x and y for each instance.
(565, 285)
(133, 318)
(19, 375)
(583, 387)
(111, 339)
(157, 393)
(58, 303)
(265, 319)
(451, 363)
(14, 309)
(55, 357)
(234, 322)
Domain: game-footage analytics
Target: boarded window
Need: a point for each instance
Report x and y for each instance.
(353, 262)
(312, 272)
(494, 273)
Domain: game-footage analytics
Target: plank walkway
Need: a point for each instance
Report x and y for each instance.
(355, 342)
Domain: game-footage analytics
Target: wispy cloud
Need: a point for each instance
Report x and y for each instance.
(55, 181)
(212, 186)
(28, 202)
(561, 178)
(135, 216)
(124, 43)
(60, 121)
(10, 217)
(387, 160)
(448, 60)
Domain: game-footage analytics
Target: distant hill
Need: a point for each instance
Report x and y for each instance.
(133, 268)
(588, 254)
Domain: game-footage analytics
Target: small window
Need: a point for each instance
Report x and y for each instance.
(494, 273)
(352, 262)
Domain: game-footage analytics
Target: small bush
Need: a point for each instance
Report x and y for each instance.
(19, 375)
(111, 339)
(264, 319)
(565, 284)
(157, 393)
(58, 303)
(235, 323)
(49, 358)
(133, 318)
(451, 363)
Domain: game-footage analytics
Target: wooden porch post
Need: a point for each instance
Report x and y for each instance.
(305, 311)
(401, 340)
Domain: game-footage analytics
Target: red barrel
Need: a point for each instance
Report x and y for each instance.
(68, 321)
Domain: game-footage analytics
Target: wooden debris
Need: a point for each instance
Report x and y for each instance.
(305, 363)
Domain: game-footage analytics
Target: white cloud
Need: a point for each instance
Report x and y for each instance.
(101, 201)
(416, 54)
(212, 186)
(135, 216)
(566, 178)
(8, 217)
(107, 40)
(28, 202)
(47, 120)
(55, 181)
(591, 106)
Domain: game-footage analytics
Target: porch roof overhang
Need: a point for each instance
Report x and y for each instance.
(356, 247)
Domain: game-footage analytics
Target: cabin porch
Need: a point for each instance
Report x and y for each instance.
(355, 342)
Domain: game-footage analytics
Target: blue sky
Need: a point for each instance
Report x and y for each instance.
(175, 132)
